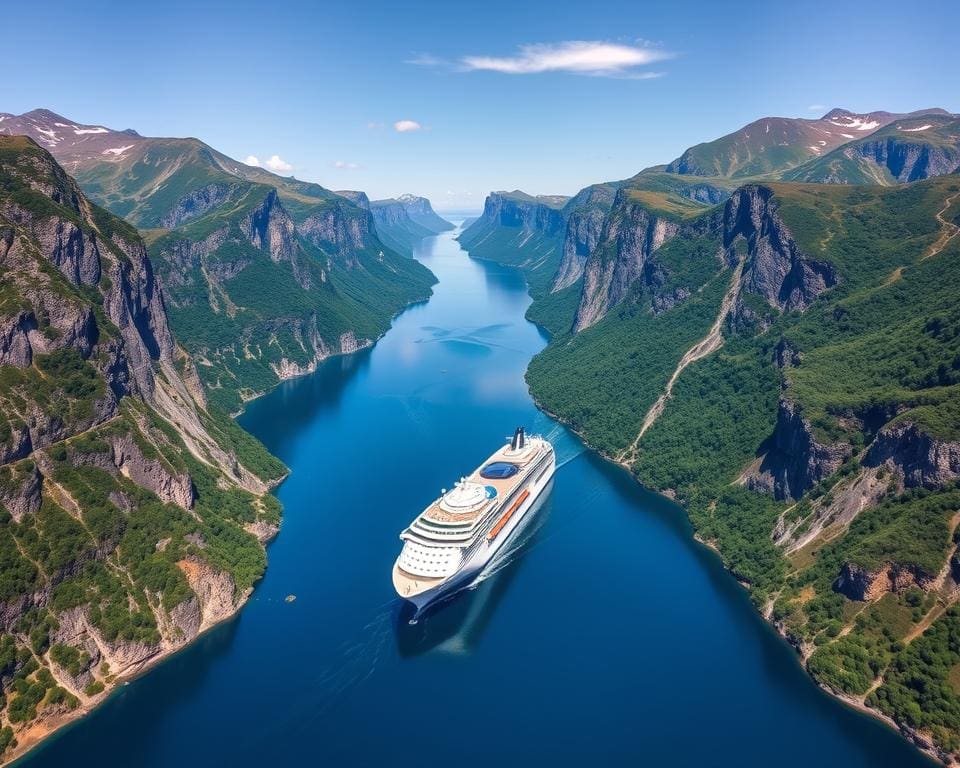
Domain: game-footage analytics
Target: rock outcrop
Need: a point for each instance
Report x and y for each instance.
(776, 268)
(915, 455)
(196, 203)
(795, 460)
(864, 585)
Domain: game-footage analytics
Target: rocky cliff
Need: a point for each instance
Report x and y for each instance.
(586, 213)
(795, 460)
(630, 236)
(113, 472)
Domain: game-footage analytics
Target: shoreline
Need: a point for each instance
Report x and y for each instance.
(922, 744)
(42, 729)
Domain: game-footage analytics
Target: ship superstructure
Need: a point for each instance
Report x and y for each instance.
(451, 542)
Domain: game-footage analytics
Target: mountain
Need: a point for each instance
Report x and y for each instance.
(773, 145)
(265, 276)
(528, 228)
(132, 513)
(421, 211)
(783, 359)
(404, 221)
(910, 149)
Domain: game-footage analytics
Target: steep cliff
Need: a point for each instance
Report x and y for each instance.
(421, 212)
(586, 213)
(520, 230)
(403, 222)
(114, 473)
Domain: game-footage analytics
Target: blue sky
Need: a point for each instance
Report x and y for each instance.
(503, 94)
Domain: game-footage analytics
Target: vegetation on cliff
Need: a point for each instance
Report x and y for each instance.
(132, 514)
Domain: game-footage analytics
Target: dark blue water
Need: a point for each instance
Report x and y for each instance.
(611, 639)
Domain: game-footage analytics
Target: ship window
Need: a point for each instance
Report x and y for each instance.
(497, 470)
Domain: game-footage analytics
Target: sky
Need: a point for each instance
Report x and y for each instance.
(453, 100)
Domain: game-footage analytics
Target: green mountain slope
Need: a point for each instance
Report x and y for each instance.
(773, 145)
(812, 431)
(132, 513)
(906, 150)
(265, 275)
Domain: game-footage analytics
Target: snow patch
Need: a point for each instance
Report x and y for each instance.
(856, 123)
(117, 150)
(51, 135)
(81, 131)
(848, 135)
(815, 149)
(822, 143)
(920, 128)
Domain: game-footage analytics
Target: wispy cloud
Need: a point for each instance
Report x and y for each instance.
(275, 163)
(596, 58)
(817, 107)
(406, 126)
(345, 166)
(425, 60)
(373, 125)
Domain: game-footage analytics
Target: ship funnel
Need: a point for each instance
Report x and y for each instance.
(519, 440)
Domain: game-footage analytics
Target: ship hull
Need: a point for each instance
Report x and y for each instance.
(488, 554)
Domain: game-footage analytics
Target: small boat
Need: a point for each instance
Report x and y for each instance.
(457, 536)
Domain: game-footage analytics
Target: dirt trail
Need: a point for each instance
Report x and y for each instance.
(950, 230)
(707, 345)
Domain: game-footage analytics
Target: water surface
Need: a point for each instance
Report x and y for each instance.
(610, 639)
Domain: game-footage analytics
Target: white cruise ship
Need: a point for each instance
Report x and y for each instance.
(450, 543)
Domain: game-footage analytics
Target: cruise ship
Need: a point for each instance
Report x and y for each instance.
(451, 542)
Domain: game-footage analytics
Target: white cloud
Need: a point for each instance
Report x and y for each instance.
(278, 165)
(584, 57)
(252, 160)
(817, 107)
(406, 126)
(344, 165)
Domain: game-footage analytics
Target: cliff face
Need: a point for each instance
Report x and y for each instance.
(630, 236)
(105, 440)
(586, 213)
(339, 230)
(776, 268)
(918, 457)
(506, 210)
(256, 295)
(795, 460)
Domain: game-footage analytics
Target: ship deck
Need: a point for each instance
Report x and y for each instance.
(504, 486)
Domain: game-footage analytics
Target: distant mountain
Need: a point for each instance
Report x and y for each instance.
(404, 221)
(522, 230)
(265, 275)
(421, 211)
(909, 149)
(132, 512)
(773, 145)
